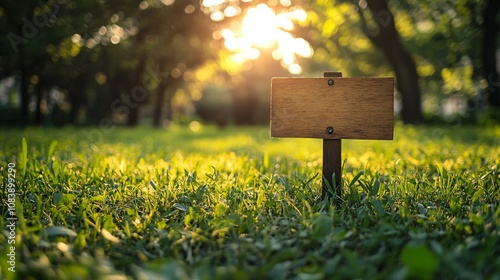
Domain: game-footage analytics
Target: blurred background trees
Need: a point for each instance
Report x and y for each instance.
(96, 62)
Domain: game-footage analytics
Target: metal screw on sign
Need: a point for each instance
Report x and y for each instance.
(329, 130)
(330, 82)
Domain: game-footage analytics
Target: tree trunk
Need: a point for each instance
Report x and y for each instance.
(169, 114)
(160, 95)
(24, 87)
(39, 98)
(75, 106)
(386, 38)
(77, 98)
(490, 30)
(133, 116)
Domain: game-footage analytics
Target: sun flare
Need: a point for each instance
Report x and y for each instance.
(263, 28)
(259, 26)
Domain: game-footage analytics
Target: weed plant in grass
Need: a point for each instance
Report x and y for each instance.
(235, 204)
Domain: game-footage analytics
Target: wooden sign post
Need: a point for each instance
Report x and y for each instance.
(332, 108)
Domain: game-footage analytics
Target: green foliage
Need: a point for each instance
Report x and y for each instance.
(23, 159)
(420, 261)
(215, 104)
(340, 42)
(233, 203)
(490, 116)
(442, 37)
(79, 48)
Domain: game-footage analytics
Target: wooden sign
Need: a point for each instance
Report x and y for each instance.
(332, 108)
(356, 108)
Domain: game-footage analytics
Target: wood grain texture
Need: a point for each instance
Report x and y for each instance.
(357, 108)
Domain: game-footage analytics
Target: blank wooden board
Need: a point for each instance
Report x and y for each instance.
(356, 108)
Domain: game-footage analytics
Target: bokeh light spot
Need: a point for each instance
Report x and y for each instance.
(100, 78)
(143, 5)
(230, 11)
(217, 16)
(167, 2)
(189, 9)
(194, 126)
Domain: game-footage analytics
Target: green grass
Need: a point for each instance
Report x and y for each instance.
(235, 204)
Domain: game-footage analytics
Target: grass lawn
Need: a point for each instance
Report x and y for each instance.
(235, 204)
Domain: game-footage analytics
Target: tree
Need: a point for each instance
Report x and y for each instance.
(388, 40)
(490, 31)
(182, 47)
(18, 33)
(332, 30)
(79, 47)
(171, 39)
(40, 50)
(342, 36)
